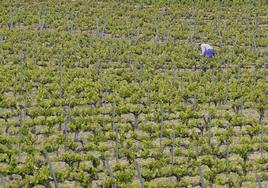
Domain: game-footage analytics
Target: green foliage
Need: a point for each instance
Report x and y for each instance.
(89, 81)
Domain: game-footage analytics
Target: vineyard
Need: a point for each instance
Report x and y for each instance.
(116, 94)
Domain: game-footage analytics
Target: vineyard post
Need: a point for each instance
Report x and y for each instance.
(101, 92)
(195, 102)
(46, 10)
(135, 72)
(99, 71)
(242, 104)
(212, 79)
(116, 142)
(1, 47)
(66, 120)
(3, 182)
(65, 129)
(192, 24)
(191, 35)
(255, 45)
(219, 29)
(139, 174)
(254, 76)
(264, 61)
(11, 22)
(234, 46)
(258, 180)
(41, 22)
(247, 22)
(172, 149)
(114, 128)
(106, 88)
(69, 24)
(141, 74)
(183, 23)
(69, 109)
(97, 27)
(227, 155)
(110, 173)
(262, 137)
(136, 8)
(130, 64)
(61, 59)
(127, 28)
(76, 134)
(174, 77)
(217, 20)
(52, 172)
(201, 177)
(182, 83)
(239, 72)
(148, 90)
(256, 26)
(156, 38)
(35, 47)
(103, 29)
(21, 106)
(209, 130)
(196, 147)
(21, 72)
(113, 115)
(26, 97)
(142, 4)
(20, 136)
(137, 37)
(111, 54)
(227, 85)
(265, 64)
(60, 123)
(242, 108)
(161, 125)
(166, 36)
(136, 120)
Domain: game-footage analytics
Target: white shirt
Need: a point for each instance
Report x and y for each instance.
(205, 47)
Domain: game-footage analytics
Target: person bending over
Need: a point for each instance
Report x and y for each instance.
(207, 50)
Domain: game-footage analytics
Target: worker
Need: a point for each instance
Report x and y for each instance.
(207, 50)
